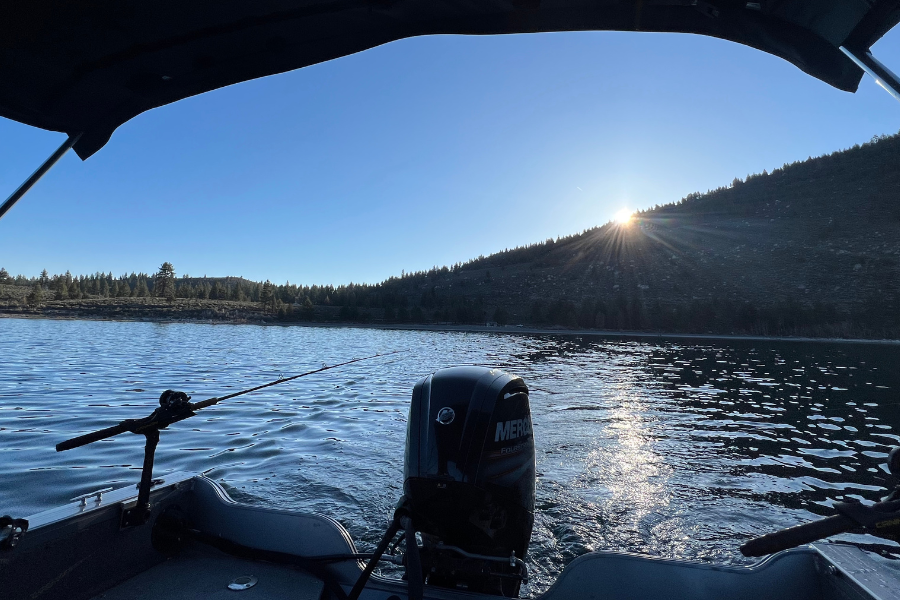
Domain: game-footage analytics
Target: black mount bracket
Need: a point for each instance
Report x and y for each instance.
(173, 407)
(881, 520)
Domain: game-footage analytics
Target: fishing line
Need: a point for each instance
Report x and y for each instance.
(282, 379)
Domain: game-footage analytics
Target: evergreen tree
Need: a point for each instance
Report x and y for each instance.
(237, 293)
(45, 278)
(141, 290)
(4, 276)
(62, 290)
(219, 292)
(307, 309)
(36, 296)
(266, 294)
(164, 282)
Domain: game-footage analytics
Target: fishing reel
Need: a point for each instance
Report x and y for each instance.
(881, 519)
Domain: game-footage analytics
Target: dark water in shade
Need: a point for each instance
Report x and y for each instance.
(676, 449)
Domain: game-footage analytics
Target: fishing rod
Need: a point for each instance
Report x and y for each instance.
(174, 406)
(179, 403)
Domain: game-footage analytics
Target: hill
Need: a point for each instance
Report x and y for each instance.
(811, 248)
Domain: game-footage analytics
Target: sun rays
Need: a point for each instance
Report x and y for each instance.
(623, 217)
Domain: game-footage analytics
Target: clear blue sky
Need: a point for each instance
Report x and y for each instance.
(423, 152)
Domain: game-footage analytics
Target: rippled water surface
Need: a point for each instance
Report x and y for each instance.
(677, 449)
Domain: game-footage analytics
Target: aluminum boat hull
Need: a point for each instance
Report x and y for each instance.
(78, 551)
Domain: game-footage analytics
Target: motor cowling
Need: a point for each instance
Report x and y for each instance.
(469, 478)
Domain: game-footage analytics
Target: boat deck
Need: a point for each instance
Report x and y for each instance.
(200, 572)
(81, 552)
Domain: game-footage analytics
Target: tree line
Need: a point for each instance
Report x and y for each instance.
(372, 303)
(165, 284)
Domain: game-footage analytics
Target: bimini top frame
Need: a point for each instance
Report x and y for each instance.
(36, 176)
(882, 75)
(85, 68)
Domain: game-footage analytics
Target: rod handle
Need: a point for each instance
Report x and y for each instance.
(87, 438)
(797, 536)
(204, 403)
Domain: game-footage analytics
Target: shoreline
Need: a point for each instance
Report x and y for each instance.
(499, 329)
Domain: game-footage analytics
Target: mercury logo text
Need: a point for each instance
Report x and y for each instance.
(510, 430)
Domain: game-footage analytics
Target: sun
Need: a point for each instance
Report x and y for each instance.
(623, 217)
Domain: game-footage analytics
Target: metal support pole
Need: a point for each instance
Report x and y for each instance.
(880, 73)
(141, 511)
(23, 189)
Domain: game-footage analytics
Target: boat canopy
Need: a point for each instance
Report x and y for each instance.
(87, 66)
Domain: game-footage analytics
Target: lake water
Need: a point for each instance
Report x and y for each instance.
(671, 448)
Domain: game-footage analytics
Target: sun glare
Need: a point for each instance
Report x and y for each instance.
(623, 216)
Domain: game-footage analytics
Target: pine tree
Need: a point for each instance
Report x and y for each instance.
(62, 290)
(164, 282)
(141, 290)
(123, 289)
(266, 294)
(36, 296)
(4, 276)
(219, 292)
(307, 309)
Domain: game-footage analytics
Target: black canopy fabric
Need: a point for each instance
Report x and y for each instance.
(90, 65)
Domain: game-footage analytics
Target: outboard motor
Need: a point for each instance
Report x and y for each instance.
(469, 478)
